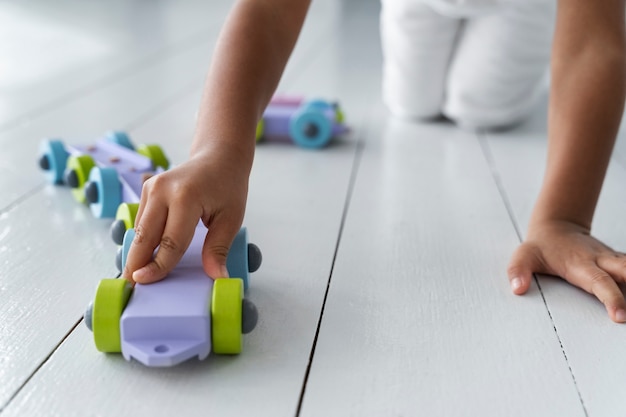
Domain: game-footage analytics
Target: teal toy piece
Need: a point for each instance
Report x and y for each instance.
(53, 160)
(243, 258)
(310, 128)
(103, 192)
(121, 138)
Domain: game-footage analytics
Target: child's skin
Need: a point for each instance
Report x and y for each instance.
(586, 105)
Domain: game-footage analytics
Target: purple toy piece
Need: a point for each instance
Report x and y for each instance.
(117, 177)
(320, 122)
(168, 322)
(130, 165)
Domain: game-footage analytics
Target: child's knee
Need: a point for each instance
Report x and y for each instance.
(482, 105)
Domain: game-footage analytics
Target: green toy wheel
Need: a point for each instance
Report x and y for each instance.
(77, 174)
(260, 128)
(340, 117)
(155, 154)
(124, 220)
(127, 212)
(111, 299)
(226, 315)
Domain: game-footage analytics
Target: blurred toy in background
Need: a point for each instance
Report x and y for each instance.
(105, 174)
(308, 123)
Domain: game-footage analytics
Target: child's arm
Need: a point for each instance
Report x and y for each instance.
(586, 105)
(250, 55)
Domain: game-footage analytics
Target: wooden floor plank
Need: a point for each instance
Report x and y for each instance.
(420, 319)
(593, 344)
(63, 51)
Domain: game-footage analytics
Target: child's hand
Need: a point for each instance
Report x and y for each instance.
(211, 187)
(567, 250)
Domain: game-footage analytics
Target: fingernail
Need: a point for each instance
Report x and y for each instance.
(620, 315)
(516, 283)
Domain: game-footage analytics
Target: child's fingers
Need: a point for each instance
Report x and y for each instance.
(148, 231)
(219, 238)
(599, 283)
(615, 265)
(174, 241)
(523, 263)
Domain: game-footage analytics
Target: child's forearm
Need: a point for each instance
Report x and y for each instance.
(586, 105)
(247, 64)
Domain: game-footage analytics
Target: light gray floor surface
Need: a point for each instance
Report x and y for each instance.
(383, 290)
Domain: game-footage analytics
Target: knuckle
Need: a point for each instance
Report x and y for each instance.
(159, 267)
(622, 262)
(219, 251)
(170, 244)
(513, 270)
(154, 185)
(599, 278)
(140, 234)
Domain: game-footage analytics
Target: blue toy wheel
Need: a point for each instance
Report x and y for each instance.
(310, 128)
(121, 138)
(237, 261)
(104, 192)
(128, 240)
(53, 160)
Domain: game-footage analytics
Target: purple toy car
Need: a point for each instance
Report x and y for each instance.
(104, 174)
(186, 315)
(310, 124)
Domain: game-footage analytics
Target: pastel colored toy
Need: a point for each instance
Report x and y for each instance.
(308, 123)
(244, 257)
(186, 315)
(104, 174)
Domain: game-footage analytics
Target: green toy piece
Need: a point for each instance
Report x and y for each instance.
(111, 298)
(155, 154)
(127, 212)
(260, 127)
(226, 313)
(77, 174)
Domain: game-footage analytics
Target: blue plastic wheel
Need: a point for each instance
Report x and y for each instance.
(121, 138)
(53, 160)
(108, 192)
(128, 240)
(310, 128)
(237, 261)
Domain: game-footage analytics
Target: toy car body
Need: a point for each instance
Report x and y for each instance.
(310, 124)
(185, 315)
(104, 174)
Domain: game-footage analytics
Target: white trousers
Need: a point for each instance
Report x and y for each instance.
(481, 72)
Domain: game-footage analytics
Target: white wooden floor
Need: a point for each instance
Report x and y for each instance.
(383, 290)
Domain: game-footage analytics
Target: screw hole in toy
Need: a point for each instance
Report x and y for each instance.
(161, 349)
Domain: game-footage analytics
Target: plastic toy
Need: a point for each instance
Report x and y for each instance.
(105, 174)
(310, 124)
(186, 315)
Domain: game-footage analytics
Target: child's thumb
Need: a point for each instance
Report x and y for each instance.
(523, 263)
(215, 251)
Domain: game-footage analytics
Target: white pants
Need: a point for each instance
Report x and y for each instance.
(481, 72)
